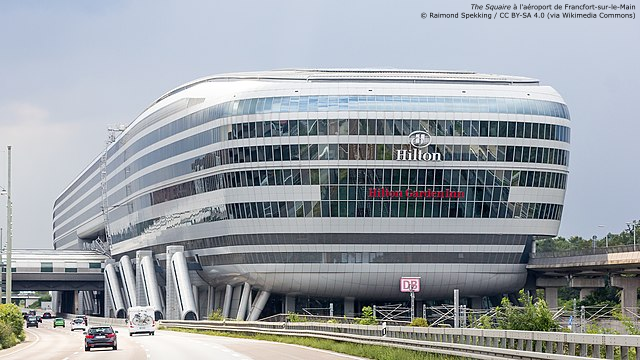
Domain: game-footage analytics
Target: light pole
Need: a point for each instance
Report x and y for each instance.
(606, 241)
(633, 224)
(7, 192)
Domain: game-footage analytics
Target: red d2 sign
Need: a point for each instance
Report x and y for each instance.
(409, 284)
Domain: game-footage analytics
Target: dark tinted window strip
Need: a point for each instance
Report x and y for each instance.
(295, 152)
(470, 181)
(377, 208)
(361, 258)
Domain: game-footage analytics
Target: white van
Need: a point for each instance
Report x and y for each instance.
(141, 319)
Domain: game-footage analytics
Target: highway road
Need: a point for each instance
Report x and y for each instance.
(47, 343)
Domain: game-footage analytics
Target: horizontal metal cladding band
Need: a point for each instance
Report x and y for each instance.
(466, 342)
(378, 208)
(346, 238)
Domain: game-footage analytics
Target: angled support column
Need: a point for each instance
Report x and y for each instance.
(226, 306)
(128, 281)
(112, 288)
(181, 282)
(258, 305)
(244, 300)
(148, 292)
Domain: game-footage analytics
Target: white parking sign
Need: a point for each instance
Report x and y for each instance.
(409, 284)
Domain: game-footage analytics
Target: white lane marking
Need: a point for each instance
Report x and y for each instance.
(26, 347)
(75, 353)
(66, 358)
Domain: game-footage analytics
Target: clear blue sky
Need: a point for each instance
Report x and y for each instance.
(69, 69)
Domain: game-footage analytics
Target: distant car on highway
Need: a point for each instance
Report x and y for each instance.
(58, 322)
(46, 315)
(32, 321)
(100, 336)
(77, 324)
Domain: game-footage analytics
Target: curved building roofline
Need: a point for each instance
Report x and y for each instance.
(362, 75)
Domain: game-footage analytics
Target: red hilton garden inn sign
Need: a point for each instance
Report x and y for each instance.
(419, 140)
(414, 194)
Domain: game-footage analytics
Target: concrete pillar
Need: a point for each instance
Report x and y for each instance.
(141, 296)
(235, 301)
(218, 300)
(584, 292)
(587, 285)
(128, 281)
(551, 286)
(171, 302)
(211, 294)
(244, 300)
(551, 297)
(258, 305)
(76, 302)
(349, 307)
(289, 304)
(418, 308)
(476, 302)
(196, 297)
(226, 307)
(629, 297)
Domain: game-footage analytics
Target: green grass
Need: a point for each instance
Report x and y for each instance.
(376, 352)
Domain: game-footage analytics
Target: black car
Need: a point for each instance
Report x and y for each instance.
(46, 315)
(100, 336)
(32, 321)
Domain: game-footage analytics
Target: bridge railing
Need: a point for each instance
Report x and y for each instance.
(583, 252)
(471, 343)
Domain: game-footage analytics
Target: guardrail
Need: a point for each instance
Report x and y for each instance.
(583, 252)
(96, 320)
(471, 343)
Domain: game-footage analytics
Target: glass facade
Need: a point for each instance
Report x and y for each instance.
(361, 103)
(252, 180)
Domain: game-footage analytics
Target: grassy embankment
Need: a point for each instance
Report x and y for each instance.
(377, 352)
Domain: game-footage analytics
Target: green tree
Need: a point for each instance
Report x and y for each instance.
(11, 315)
(530, 317)
(367, 317)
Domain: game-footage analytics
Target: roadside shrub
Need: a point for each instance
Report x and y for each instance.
(293, 317)
(216, 315)
(11, 317)
(7, 337)
(367, 317)
(332, 321)
(420, 322)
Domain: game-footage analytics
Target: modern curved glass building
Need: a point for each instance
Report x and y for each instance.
(331, 184)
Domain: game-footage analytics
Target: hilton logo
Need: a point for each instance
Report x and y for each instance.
(418, 139)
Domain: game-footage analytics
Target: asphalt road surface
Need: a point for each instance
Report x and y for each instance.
(47, 343)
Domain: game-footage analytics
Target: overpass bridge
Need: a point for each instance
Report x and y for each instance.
(587, 269)
(68, 273)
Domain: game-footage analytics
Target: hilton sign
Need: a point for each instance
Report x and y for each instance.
(419, 140)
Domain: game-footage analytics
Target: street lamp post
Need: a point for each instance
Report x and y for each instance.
(7, 192)
(633, 224)
(606, 241)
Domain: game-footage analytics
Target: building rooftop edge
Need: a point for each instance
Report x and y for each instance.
(361, 75)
